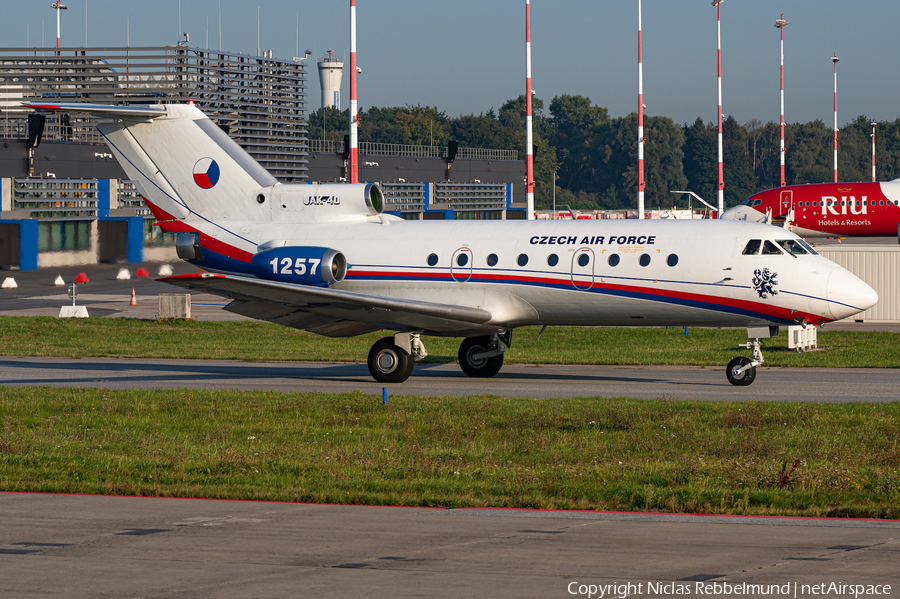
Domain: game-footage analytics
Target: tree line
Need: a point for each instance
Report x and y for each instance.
(594, 156)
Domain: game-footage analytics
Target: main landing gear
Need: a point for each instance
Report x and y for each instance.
(483, 356)
(391, 359)
(741, 371)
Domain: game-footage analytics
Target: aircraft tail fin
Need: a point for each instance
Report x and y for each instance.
(182, 163)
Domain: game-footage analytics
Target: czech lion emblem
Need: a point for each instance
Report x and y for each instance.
(764, 282)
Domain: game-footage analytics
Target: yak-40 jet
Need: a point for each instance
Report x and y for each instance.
(326, 259)
(865, 209)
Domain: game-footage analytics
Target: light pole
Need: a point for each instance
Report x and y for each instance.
(874, 124)
(640, 117)
(780, 23)
(354, 119)
(529, 156)
(58, 8)
(721, 192)
(835, 60)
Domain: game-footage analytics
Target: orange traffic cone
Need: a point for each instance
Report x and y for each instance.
(133, 298)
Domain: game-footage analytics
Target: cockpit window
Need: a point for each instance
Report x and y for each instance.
(770, 249)
(808, 247)
(791, 246)
(752, 247)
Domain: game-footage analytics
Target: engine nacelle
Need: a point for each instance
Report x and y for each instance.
(330, 202)
(302, 265)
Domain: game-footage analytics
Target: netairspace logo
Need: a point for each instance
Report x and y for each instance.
(722, 589)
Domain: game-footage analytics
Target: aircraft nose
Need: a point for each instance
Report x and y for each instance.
(848, 294)
(741, 212)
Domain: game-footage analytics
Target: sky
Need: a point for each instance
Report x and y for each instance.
(468, 56)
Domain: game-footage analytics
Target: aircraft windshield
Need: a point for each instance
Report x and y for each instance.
(752, 247)
(808, 247)
(770, 249)
(793, 246)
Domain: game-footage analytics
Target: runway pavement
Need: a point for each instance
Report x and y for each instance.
(82, 546)
(545, 381)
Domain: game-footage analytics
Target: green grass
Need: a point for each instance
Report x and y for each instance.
(260, 341)
(611, 454)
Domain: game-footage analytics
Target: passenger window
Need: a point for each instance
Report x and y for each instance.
(552, 260)
(462, 259)
(522, 260)
(791, 246)
(672, 260)
(492, 260)
(770, 249)
(432, 259)
(644, 260)
(583, 260)
(613, 260)
(752, 247)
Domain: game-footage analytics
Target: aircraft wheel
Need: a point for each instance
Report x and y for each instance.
(741, 379)
(388, 363)
(478, 367)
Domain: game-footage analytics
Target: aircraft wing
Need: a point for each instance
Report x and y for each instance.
(327, 311)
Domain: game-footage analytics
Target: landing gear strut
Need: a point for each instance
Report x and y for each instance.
(482, 357)
(391, 359)
(742, 371)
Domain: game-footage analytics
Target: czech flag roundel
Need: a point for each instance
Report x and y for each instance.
(206, 173)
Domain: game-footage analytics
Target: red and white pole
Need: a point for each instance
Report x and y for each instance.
(780, 23)
(529, 157)
(874, 124)
(640, 116)
(58, 8)
(354, 156)
(721, 192)
(835, 60)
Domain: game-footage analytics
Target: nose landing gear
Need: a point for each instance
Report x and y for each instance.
(742, 371)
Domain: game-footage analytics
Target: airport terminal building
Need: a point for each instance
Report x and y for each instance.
(65, 200)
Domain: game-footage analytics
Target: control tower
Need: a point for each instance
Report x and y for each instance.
(330, 71)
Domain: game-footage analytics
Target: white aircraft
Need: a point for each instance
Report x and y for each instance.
(324, 258)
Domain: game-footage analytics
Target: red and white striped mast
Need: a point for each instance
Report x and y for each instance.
(780, 23)
(835, 60)
(529, 157)
(58, 8)
(354, 156)
(640, 117)
(721, 192)
(874, 124)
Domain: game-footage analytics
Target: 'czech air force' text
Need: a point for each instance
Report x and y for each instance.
(597, 240)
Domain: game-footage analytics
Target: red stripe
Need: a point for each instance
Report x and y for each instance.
(750, 306)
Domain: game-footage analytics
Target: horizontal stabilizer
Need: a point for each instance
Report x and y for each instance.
(147, 112)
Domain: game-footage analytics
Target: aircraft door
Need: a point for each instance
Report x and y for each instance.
(461, 265)
(583, 268)
(787, 202)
